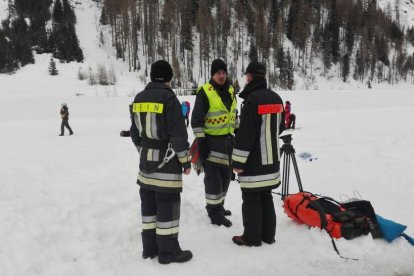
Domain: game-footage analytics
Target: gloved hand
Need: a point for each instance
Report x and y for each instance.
(203, 149)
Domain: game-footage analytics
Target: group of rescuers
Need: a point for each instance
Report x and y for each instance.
(251, 149)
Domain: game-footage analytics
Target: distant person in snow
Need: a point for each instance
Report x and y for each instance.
(185, 111)
(64, 114)
(289, 117)
(189, 108)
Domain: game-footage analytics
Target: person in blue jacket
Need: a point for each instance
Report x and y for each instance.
(185, 111)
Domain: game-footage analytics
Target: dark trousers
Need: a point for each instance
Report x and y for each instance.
(216, 185)
(160, 220)
(65, 123)
(292, 121)
(259, 217)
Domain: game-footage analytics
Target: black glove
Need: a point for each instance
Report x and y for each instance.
(233, 176)
(203, 149)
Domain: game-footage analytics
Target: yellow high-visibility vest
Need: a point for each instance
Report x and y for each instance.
(219, 120)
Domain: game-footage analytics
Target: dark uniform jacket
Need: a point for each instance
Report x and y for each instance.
(257, 144)
(64, 113)
(219, 145)
(157, 123)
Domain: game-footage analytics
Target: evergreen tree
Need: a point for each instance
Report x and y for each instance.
(410, 35)
(334, 32)
(68, 15)
(8, 62)
(38, 14)
(382, 50)
(104, 17)
(52, 67)
(3, 51)
(326, 50)
(69, 47)
(21, 41)
(345, 67)
(359, 66)
(57, 12)
(290, 75)
(186, 32)
(286, 69)
(63, 41)
(281, 64)
(349, 37)
(292, 19)
(273, 21)
(253, 52)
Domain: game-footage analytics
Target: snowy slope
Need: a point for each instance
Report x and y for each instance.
(70, 205)
(406, 10)
(3, 9)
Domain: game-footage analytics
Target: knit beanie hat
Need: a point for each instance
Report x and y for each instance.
(218, 65)
(161, 71)
(256, 68)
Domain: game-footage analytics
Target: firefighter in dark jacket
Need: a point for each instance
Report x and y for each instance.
(256, 156)
(160, 136)
(213, 121)
(64, 114)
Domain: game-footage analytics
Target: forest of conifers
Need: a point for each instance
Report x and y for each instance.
(349, 39)
(361, 40)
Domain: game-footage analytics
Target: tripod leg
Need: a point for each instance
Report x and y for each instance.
(285, 179)
(295, 166)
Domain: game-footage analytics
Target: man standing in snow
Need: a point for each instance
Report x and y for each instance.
(64, 114)
(256, 156)
(159, 133)
(213, 121)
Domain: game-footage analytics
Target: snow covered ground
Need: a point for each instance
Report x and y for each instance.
(70, 205)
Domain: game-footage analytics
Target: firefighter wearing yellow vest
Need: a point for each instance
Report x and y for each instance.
(256, 156)
(213, 121)
(160, 135)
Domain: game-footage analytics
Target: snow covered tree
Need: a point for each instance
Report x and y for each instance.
(52, 67)
(112, 78)
(102, 75)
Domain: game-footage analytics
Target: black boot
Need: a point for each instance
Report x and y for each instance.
(181, 257)
(151, 256)
(239, 240)
(221, 221)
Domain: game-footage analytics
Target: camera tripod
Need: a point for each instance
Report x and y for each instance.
(289, 154)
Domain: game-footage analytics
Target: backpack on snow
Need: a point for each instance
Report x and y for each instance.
(341, 220)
